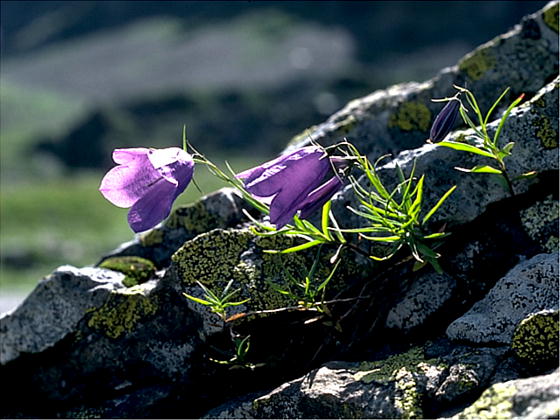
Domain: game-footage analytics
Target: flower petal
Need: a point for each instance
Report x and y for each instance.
(320, 196)
(124, 185)
(299, 172)
(174, 164)
(125, 156)
(250, 175)
(153, 207)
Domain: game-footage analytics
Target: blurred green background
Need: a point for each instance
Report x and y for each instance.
(80, 78)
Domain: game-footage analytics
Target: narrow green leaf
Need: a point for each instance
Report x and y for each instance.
(483, 169)
(495, 105)
(464, 147)
(418, 191)
(436, 235)
(197, 300)
(388, 239)
(328, 279)
(301, 247)
(325, 220)
(504, 117)
(526, 175)
(438, 204)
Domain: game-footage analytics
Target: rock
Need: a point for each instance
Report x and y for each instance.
(54, 309)
(221, 209)
(530, 398)
(399, 118)
(426, 296)
(529, 287)
(412, 384)
(535, 339)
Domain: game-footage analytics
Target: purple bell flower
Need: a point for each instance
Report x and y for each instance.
(445, 121)
(148, 181)
(293, 182)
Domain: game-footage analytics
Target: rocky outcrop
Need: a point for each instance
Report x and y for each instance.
(123, 341)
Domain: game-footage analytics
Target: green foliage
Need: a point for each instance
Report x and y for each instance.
(486, 145)
(218, 303)
(308, 290)
(395, 217)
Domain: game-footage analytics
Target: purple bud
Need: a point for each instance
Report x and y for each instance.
(445, 121)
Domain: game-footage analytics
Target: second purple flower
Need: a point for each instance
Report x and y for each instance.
(302, 180)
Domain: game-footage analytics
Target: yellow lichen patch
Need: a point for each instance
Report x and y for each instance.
(478, 62)
(346, 125)
(193, 217)
(122, 311)
(546, 133)
(494, 403)
(535, 340)
(402, 369)
(137, 270)
(151, 238)
(411, 116)
(550, 17)
(211, 257)
(535, 219)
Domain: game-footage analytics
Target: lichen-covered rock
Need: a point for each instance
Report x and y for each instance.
(540, 221)
(535, 339)
(54, 309)
(418, 383)
(530, 398)
(475, 192)
(426, 296)
(398, 118)
(529, 287)
(221, 209)
(137, 270)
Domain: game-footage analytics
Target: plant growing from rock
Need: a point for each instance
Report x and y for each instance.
(485, 144)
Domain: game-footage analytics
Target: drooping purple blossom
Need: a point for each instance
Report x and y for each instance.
(445, 121)
(293, 182)
(148, 181)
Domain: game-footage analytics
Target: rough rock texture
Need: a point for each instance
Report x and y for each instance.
(85, 345)
(531, 398)
(418, 383)
(398, 118)
(64, 297)
(221, 209)
(535, 339)
(530, 287)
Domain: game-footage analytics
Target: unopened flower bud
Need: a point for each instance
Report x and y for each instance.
(445, 121)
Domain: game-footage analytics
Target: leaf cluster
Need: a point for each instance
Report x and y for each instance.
(395, 216)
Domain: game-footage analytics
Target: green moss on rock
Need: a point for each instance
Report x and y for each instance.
(494, 403)
(411, 116)
(546, 133)
(535, 340)
(550, 17)
(122, 311)
(478, 62)
(401, 369)
(152, 238)
(137, 270)
(537, 220)
(211, 257)
(194, 217)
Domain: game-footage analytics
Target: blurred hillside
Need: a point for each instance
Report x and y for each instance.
(80, 78)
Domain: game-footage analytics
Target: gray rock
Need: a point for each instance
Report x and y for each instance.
(426, 296)
(475, 192)
(399, 118)
(529, 287)
(530, 398)
(221, 209)
(54, 309)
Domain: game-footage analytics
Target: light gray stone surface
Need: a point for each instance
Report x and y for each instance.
(529, 287)
(54, 309)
